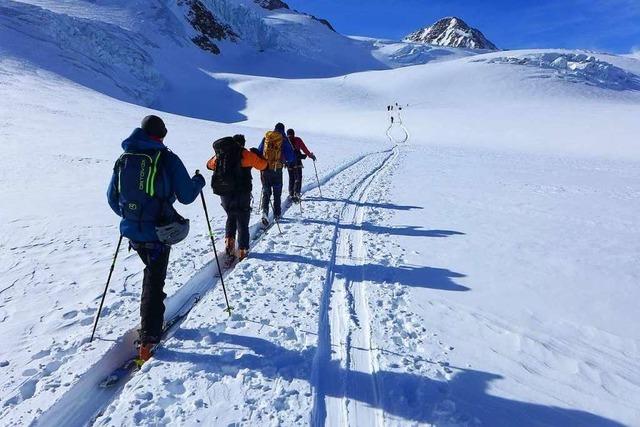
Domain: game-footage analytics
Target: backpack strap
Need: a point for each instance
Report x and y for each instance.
(151, 179)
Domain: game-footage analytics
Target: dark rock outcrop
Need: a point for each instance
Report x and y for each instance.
(207, 26)
(272, 4)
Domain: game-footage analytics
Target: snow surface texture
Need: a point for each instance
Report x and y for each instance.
(483, 273)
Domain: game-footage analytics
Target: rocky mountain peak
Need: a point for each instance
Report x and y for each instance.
(451, 32)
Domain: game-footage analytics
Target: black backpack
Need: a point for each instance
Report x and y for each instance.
(228, 176)
(137, 177)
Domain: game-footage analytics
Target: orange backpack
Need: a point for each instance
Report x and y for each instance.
(272, 150)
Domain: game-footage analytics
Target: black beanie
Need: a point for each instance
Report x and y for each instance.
(239, 139)
(291, 132)
(154, 126)
(280, 127)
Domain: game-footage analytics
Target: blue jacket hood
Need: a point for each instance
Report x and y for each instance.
(140, 141)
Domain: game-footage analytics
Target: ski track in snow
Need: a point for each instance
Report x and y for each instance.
(344, 319)
(83, 401)
(267, 364)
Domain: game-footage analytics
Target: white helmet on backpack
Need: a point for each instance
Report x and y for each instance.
(173, 233)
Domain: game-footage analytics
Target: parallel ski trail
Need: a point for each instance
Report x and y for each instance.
(344, 336)
(85, 400)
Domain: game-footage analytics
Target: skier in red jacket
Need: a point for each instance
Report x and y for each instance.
(295, 168)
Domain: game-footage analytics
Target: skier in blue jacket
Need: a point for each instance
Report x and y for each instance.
(147, 180)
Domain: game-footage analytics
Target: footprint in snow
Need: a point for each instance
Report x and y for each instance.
(70, 314)
(40, 355)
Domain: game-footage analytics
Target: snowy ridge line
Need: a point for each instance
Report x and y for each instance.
(322, 359)
(84, 401)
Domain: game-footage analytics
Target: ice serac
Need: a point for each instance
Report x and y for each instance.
(272, 4)
(451, 32)
(207, 27)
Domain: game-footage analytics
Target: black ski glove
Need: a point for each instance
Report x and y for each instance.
(199, 179)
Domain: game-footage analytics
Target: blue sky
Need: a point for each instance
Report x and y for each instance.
(609, 25)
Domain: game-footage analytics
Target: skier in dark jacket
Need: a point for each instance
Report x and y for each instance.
(236, 200)
(277, 150)
(295, 169)
(147, 180)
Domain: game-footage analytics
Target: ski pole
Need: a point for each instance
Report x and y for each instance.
(261, 197)
(104, 295)
(274, 215)
(215, 252)
(317, 179)
(297, 186)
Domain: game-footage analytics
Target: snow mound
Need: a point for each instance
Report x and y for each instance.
(577, 68)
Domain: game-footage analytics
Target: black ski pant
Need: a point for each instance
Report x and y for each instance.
(155, 257)
(295, 180)
(238, 209)
(272, 184)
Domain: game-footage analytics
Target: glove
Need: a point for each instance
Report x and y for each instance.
(313, 157)
(199, 179)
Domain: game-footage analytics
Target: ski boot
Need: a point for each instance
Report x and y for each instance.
(229, 246)
(265, 220)
(242, 254)
(145, 352)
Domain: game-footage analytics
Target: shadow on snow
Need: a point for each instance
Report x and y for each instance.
(414, 276)
(403, 230)
(404, 395)
(362, 204)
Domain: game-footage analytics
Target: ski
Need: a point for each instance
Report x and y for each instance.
(134, 363)
(229, 262)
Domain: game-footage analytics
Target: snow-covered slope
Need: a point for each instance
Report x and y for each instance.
(161, 54)
(451, 32)
(484, 273)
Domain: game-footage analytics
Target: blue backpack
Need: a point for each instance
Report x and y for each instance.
(137, 175)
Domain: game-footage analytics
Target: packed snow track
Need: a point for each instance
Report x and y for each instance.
(343, 317)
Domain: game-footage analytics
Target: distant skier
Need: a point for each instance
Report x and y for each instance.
(147, 179)
(295, 169)
(231, 180)
(276, 149)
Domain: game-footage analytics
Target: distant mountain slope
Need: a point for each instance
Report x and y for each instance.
(452, 32)
(168, 55)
